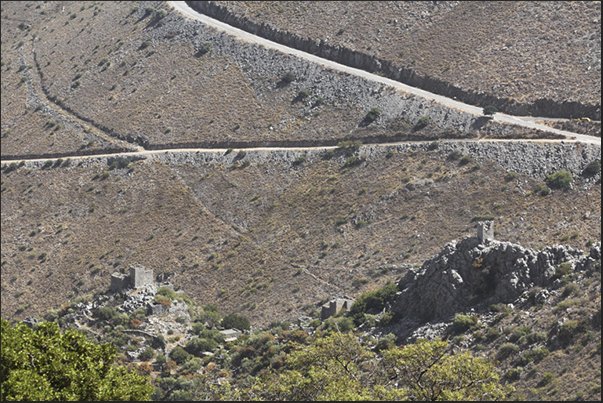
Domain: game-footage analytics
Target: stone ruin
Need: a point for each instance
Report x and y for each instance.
(138, 277)
(335, 306)
(485, 231)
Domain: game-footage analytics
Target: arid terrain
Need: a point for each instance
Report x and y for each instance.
(292, 192)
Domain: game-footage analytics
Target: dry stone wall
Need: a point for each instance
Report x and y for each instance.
(361, 60)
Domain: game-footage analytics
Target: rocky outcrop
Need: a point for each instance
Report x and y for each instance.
(471, 274)
(361, 60)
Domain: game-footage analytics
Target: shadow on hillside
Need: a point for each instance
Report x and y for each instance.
(480, 122)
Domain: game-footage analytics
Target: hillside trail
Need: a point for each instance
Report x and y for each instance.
(186, 11)
(524, 121)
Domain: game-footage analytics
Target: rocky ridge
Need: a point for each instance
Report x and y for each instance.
(470, 276)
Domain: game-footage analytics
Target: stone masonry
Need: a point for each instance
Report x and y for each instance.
(335, 306)
(485, 231)
(138, 277)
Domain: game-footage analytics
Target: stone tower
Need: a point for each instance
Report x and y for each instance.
(485, 231)
(139, 276)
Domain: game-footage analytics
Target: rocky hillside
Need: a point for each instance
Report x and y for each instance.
(537, 58)
(158, 80)
(272, 233)
(536, 312)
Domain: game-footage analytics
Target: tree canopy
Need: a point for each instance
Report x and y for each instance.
(337, 367)
(45, 364)
(490, 110)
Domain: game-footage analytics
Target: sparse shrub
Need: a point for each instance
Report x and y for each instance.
(163, 300)
(423, 122)
(288, 77)
(569, 329)
(372, 115)
(560, 180)
(563, 269)
(465, 160)
(462, 322)
(593, 168)
(205, 48)
(547, 378)
(506, 350)
(514, 373)
(349, 146)
(353, 161)
(145, 44)
(328, 154)
(570, 289)
(303, 94)
(454, 155)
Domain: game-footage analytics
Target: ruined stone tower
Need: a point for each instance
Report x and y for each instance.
(485, 231)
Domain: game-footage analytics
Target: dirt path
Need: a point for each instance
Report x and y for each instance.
(525, 121)
(184, 9)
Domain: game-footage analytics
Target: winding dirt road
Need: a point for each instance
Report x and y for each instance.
(528, 121)
(184, 9)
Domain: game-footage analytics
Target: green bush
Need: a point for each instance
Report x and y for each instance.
(107, 313)
(593, 168)
(179, 355)
(489, 110)
(560, 180)
(235, 321)
(288, 77)
(147, 354)
(342, 324)
(349, 146)
(462, 322)
(373, 115)
(423, 122)
(372, 301)
(45, 364)
(197, 346)
(166, 292)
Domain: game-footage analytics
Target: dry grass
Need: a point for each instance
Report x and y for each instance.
(236, 237)
(520, 50)
(90, 70)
